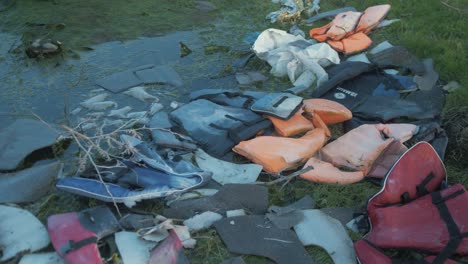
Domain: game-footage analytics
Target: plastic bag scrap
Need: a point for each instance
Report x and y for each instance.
(347, 33)
(291, 10)
(301, 60)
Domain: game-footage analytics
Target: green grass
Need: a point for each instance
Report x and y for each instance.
(428, 28)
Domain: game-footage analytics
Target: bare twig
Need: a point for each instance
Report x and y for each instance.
(287, 178)
(453, 7)
(90, 158)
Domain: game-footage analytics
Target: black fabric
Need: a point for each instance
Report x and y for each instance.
(432, 101)
(398, 56)
(100, 220)
(72, 245)
(340, 73)
(218, 128)
(235, 98)
(385, 109)
(456, 236)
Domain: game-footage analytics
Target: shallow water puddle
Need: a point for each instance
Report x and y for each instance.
(48, 86)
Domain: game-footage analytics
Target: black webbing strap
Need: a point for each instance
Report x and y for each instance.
(456, 236)
(72, 245)
(405, 198)
(280, 101)
(421, 188)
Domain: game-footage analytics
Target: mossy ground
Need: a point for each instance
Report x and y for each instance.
(428, 28)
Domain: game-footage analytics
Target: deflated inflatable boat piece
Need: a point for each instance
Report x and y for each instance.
(132, 249)
(226, 172)
(169, 251)
(162, 136)
(252, 198)
(20, 231)
(17, 141)
(150, 183)
(255, 235)
(75, 235)
(42, 258)
(321, 230)
(276, 154)
(28, 185)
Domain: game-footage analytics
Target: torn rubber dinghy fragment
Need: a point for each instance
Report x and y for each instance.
(132, 248)
(162, 135)
(252, 198)
(150, 183)
(146, 74)
(21, 231)
(290, 215)
(28, 185)
(169, 251)
(227, 172)
(321, 230)
(17, 141)
(255, 235)
(42, 258)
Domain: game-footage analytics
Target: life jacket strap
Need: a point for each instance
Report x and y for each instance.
(421, 188)
(72, 245)
(456, 236)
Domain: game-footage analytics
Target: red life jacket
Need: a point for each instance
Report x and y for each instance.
(411, 212)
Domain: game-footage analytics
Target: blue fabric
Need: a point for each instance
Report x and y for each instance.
(383, 91)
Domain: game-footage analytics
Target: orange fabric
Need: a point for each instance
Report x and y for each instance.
(276, 154)
(360, 147)
(356, 149)
(320, 33)
(318, 123)
(347, 32)
(344, 24)
(352, 44)
(372, 17)
(326, 172)
(336, 45)
(295, 125)
(329, 111)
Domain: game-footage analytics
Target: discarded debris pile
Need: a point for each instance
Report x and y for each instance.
(204, 159)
